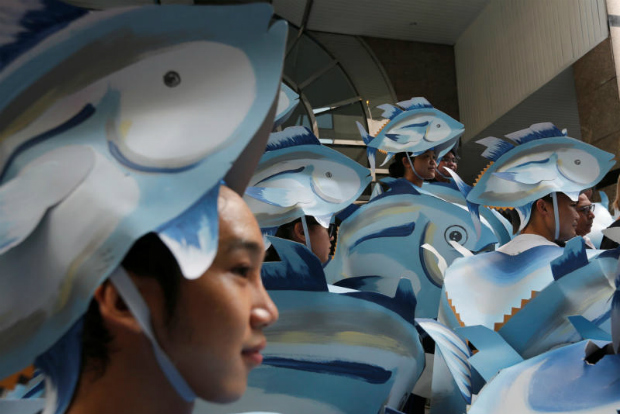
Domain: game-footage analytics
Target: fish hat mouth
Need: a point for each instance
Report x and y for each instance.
(127, 203)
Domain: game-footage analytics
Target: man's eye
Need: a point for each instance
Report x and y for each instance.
(242, 271)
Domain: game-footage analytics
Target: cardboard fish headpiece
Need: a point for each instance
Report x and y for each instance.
(543, 160)
(298, 176)
(413, 126)
(114, 124)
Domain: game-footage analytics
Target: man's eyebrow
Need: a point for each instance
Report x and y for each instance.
(240, 244)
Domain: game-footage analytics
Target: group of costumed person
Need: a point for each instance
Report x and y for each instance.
(146, 176)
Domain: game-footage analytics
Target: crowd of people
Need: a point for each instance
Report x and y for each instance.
(156, 298)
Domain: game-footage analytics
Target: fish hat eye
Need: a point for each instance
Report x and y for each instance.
(577, 165)
(437, 130)
(456, 233)
(172, 79)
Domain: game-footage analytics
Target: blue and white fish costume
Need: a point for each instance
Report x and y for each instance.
(114, 124)
(524, 299)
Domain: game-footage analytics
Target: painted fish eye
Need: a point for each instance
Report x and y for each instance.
(577, 162)
(438, 125)
(172, 79)
(456, 233)
(577, 165)
(328, 174)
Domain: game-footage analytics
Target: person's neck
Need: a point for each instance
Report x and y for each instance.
(532, 228)
(441, 178)
(414, 179)
(130, 384)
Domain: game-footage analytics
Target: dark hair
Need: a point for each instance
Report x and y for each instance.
(148, 257)
(285, 231)
(514, 216)
(396, 168)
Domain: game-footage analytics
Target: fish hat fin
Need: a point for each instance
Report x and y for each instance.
(133, 202)
(26, 23)
(287, 102)
(587, 329)
(298, 268)
(403, 303)
(291, 137)
(25, 199)
(536, 131)
(415, 103)
(279, 197)
(494, 353)
(495, 147)
(455, 352)
(573, 258)
(390, 111)
(370, 151)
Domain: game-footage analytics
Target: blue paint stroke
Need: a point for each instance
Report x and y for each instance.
(574, 257)
(293, 171)
(86, 112)
(118, 155)
(51, 16)
(397, 231)
(403, 303)
(291, 137)
(371, 374)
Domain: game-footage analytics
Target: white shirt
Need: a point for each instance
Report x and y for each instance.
(524, 242)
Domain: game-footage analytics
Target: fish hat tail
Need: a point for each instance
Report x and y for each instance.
(370, 151)
(48, 177)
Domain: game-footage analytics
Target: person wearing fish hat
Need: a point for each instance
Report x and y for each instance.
(513, 294)
(299, 185)
(129, 274)
(541, 178)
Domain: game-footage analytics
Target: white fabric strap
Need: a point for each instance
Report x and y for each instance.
(304, 223)
(554, 199)
(137, 306)
(413, 168)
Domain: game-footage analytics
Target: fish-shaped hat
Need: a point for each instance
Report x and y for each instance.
(540, 160)
(412, 126)
(114, 124)
(297, 176)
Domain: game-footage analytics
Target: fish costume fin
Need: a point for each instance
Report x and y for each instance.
(473, 208)
(290, 137)
(494, 353)
(280, 197)
(415, 103)
(26, 198)
(455, 352)
(615, 313)
(496, 147)
(573, 258)
(298, 268)
(370, 152)
(287, 102)
(403, 303)
(390, 111)
(536, 131)
(587, 329)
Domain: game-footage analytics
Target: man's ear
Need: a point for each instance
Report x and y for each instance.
(541, 206)
(298, 232)
(113, 309)
(405, 162)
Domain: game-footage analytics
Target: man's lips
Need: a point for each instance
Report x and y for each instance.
(252, 354)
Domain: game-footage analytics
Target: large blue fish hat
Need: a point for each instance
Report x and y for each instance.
(412, 126)
(540, 160)
(297, 176)
(114, 124)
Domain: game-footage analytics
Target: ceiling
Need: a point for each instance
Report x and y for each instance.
(430, 21)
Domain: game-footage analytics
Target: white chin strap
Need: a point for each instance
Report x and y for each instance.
(556, 214)
(130, 294)
(304, 223)
(413, 168)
